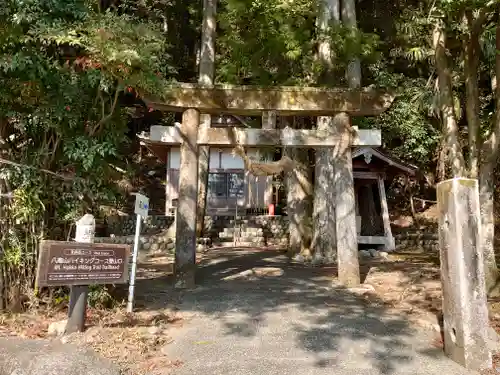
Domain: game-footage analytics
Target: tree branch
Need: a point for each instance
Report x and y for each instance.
(60, 176)
(477, 24)
(105, 118)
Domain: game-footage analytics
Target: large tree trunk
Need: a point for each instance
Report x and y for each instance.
(446, 103)
(472, 51)
(299, 202)
(487, 189)
(353, 73)
(324, 242)
(206, 78)
(347, 239)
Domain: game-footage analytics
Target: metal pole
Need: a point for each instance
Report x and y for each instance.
(130, 304)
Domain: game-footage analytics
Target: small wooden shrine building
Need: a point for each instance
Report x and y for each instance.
(372, 168)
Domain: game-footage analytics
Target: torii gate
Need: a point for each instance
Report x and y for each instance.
(286, 101)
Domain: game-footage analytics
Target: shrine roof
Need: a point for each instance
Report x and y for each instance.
(368, 152)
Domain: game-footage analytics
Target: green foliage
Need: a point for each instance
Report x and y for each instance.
(265, 42)
(274, 42)
(348, 44)
(101, 298)
(409, 127)
(64, 69)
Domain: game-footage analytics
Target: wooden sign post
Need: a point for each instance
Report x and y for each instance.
(80, 264)
(85, 233)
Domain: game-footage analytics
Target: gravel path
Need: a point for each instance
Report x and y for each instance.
(255, 313)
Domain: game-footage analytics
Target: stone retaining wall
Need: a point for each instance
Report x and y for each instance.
(271, 230)
(273, 227)
(157, 239)
(426, 241)
(125, 225)
(148, 243)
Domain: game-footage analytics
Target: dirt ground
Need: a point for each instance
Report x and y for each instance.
(132, 341)
(408, 281)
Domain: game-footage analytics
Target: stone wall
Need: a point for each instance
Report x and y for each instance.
(411, 240)
(264, 229)
(156, 239)
(273, 227)
(148, 244)
(125, 225)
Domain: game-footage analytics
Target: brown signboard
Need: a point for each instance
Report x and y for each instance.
(74, 263)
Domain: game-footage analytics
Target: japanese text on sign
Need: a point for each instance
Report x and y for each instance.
(69, 263)
(141, 205)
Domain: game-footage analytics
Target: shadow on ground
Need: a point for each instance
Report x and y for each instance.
(256, 312)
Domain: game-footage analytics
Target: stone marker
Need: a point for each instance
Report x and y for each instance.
(462, 274)
(40, 357)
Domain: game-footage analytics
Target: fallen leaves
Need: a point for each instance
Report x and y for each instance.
(136, 342)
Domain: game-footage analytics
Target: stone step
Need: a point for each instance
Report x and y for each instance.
(244, 221)
(244, 227)
(240, 239)
(240, 234)
(255, 231)
(238, 244)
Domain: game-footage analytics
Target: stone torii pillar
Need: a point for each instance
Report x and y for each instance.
(187, 207)
(250, 100)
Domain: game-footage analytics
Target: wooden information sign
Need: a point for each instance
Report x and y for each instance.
(72, 263)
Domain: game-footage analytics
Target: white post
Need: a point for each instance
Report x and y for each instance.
(130, 304)
(390, 244)
(141, 210)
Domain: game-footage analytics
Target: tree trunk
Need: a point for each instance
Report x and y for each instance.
(3, 301)
(471, 66)
(446, 103)
(206, 78)
(299, 202)
(324, 242)
(345, 200)
(353, 73)
(487, 189)
(203, 170)
(472, 106)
